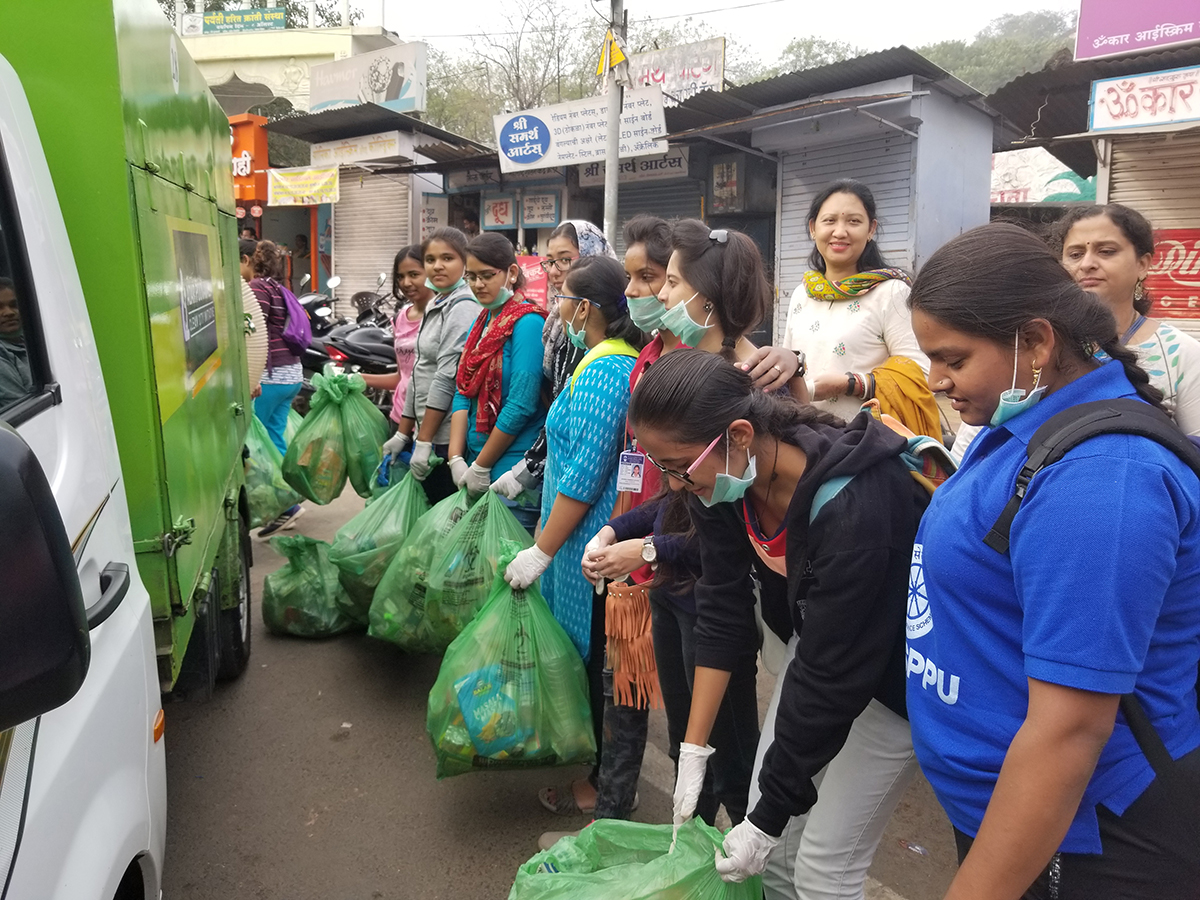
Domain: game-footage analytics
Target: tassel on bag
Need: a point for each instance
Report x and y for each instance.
(631, 647)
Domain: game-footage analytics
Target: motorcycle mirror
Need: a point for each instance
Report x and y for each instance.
(382, 279)
(322, 311)
(333, 282)
(305, 280)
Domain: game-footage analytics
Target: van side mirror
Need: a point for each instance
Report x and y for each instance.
(44, 643)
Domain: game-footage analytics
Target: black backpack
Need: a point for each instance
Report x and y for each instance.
(1049, 444)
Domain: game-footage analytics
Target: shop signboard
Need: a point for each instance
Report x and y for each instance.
(479, 178)
(393, 78)
(576, 131)
(645, 168)
(382, 145)
(249, 156)
(1118, 27)
(225, 22)
(499, 212)
(536, 282)
(305, 186)
(683, 71)
(1153, 98)
(435, 214)
(1174, 278)
(540, 209)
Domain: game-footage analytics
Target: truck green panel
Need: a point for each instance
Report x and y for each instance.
(139, 152)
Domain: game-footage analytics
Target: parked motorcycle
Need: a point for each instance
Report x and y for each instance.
(320, 307)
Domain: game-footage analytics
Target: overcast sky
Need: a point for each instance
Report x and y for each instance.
(766, 27)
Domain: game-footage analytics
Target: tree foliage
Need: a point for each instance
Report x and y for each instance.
(1007, 47)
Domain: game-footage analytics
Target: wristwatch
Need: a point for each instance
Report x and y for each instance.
(649, 551)
(801, 364)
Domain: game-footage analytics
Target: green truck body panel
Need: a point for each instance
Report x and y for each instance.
(139, 151)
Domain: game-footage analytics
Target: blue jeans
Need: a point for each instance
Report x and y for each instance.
(271, 407)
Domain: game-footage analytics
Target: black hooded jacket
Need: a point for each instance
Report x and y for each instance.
(845, 596)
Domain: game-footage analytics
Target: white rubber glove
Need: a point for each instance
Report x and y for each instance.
(395, 445)
(526, 568)
(478, 479)
(746, 850)
(693, 761)
(419, 464)
(458, 470)
(603, 538)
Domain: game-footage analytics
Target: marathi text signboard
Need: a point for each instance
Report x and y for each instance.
(1119, 27)
(435, 214)
(383, 145)
(1174, 279)
(539, 210)
(576, 131)
(499, 212)
(536, 282)
(393, 78)
(302, 187)
(645, 168)
(681, 71)
(1155, 98)
(234, 20)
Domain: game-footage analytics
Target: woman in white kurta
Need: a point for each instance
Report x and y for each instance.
(850, 314)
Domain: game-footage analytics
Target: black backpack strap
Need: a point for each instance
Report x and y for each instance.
(1071, 427)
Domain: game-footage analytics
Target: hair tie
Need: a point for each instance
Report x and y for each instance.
(729, 341)
(623, 305)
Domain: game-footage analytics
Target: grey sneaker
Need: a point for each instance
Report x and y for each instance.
(286, 519)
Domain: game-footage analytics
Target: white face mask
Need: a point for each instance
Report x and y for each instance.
(1014, 401)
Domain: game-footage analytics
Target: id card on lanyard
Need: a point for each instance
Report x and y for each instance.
(630, 470)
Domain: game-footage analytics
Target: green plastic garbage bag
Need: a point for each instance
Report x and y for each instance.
(303, 597)
(461, 580)
(365, 545)
(315, 462)
(365, 429)
(613, 859)
(266, 492)
(399, 608)
(294, 421)
(511, 692)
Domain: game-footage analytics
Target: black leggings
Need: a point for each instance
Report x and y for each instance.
(1148, 854)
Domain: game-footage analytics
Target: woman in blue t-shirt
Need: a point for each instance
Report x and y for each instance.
(1017, 661)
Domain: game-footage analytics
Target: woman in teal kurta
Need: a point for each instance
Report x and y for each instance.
(497, 412)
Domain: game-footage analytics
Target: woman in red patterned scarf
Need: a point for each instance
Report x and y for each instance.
(497, 412)
(849, 315)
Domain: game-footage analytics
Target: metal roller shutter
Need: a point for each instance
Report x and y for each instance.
(1159, 176)
(680, 199)
(371, 224)
(884, 164)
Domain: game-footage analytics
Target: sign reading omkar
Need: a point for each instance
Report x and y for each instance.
(393, 78)
(577, 131)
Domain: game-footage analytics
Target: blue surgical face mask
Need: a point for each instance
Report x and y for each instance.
(578, 338)
(502, 296)
(677, 321)
(729, 488)
(647, 312)
(1015, 401)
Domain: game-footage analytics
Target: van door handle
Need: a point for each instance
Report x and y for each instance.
(114, 585)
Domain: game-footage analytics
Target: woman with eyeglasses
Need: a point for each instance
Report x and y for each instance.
(497, 412)
(444, 327)
(585, 432)
(834, 585)
(572, 240)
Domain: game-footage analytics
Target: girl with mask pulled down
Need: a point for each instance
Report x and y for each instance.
(585, 432)
(1019, 659)
(448, 318)
(835, 754)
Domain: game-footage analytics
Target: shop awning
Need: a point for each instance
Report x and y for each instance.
(368, 118)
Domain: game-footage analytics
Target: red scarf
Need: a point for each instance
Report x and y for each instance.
(481, 367)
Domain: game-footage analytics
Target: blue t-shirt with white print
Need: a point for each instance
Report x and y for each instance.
(1100, 591)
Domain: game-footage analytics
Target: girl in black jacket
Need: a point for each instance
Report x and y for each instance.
(835, 588)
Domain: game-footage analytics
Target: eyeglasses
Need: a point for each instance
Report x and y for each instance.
(561, 264)
(473, 277)
(686, 477)
(561, 297)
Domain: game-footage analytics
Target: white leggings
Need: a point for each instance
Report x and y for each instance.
(825, 854)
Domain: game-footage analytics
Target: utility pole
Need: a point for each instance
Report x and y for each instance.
(612, 147)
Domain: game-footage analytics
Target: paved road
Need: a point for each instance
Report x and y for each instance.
(311, 778)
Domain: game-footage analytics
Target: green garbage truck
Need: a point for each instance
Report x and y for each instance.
(123, 409)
